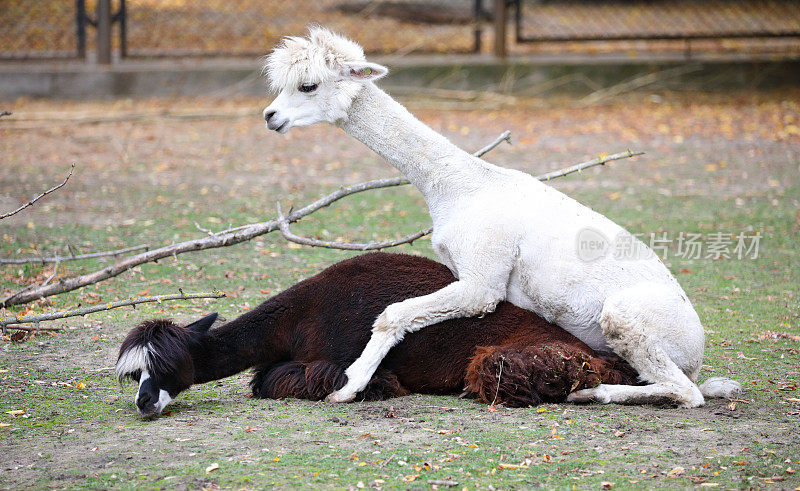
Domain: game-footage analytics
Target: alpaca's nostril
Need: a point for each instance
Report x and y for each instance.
(268, 115)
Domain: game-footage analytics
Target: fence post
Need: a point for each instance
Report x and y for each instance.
(478, 13)
(80, 24)
(122, 18)
(104, 32)
(500, 28)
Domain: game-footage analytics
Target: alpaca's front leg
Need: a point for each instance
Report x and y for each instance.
(462, 298)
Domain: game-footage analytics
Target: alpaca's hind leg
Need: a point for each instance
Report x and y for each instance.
(528, 372)
(656, 330)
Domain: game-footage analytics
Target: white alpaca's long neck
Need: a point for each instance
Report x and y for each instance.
(439, 169)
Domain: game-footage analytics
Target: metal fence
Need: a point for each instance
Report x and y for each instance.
(250, 27)
(159, 28)
(577, 20)
(38, 29)
(106, 29)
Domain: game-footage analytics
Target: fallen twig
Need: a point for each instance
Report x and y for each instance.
(219, 239)
(5, 113)
(586, 165)
(283, 224)
(499, 376)
(48, 316)
(234, 235)
(504, 137)
(34, 200)
(73, 257)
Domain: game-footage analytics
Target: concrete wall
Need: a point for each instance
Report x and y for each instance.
(165, 78)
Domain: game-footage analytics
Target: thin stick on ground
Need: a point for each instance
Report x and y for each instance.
(499, 376)
(73, 257)
(34, 200)
(48, 316)
(234, 235)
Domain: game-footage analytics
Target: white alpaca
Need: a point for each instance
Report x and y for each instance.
(504, 235)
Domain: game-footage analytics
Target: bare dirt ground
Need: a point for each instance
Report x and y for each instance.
(147, 170)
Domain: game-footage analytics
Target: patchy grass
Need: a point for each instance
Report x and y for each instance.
(713, 165)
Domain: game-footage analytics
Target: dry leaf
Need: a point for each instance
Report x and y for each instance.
(607, 484)
(678, 471)
(19, 336)
(16, 412)
(212, 468)
(411, 477)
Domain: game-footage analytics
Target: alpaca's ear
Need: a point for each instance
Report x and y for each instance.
(363, 70)
(203, 324)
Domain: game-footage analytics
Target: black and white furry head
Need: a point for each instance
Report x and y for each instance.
(156, 355)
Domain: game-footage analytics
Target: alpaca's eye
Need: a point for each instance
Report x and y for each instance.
(308, 87)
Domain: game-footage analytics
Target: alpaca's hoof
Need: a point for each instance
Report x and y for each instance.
(339, 396)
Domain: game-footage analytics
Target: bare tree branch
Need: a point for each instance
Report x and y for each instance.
(219, 239)
(48, 316)
(73, 257)
(504, 137)
(585, 165)
(283, 224)
(34, 200)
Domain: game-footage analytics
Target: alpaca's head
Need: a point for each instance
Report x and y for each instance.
(316, 79)
(156, 354)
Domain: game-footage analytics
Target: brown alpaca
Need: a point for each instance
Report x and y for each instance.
(300, 341)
